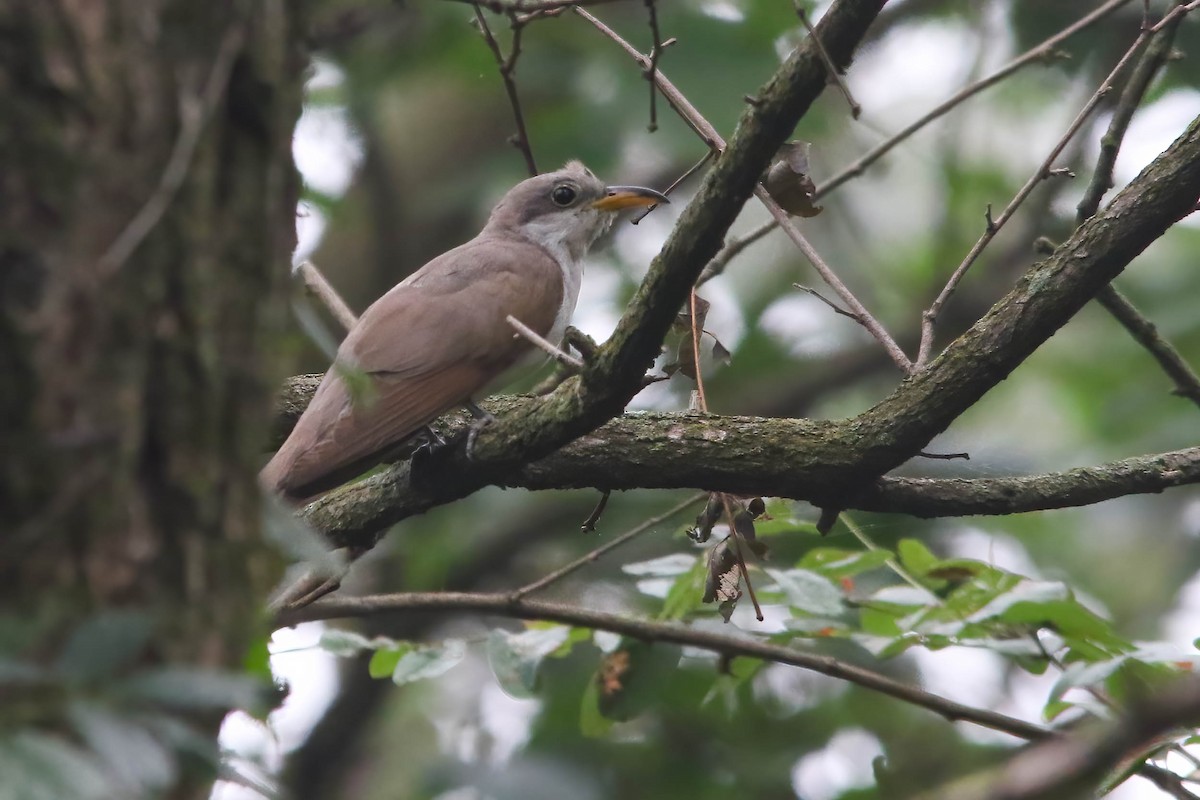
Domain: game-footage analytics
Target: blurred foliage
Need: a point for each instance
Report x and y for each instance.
(104, 720)
(991, 611)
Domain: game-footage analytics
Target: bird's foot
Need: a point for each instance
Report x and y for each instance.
(431, 442)
(482, 420)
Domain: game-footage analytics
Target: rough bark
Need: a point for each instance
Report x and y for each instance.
(146, 218)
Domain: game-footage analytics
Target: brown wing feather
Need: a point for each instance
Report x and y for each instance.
(427, 346)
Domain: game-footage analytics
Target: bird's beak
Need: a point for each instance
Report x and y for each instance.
(618, 197)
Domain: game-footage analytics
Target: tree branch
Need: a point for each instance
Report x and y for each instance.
(1075, 765)
(743, 455)
(1044, 299)
(645, 630)
(615, 376)
(829, 462)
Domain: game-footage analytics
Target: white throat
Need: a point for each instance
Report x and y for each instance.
(569, 252)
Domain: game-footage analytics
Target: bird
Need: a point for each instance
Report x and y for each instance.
(440, 337)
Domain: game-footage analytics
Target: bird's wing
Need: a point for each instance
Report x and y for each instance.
(420, 350)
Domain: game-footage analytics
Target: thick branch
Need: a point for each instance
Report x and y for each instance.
(1045, 298)
(746, 455)
(1075, 765)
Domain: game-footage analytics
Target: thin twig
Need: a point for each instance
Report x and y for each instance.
(532, 6)
(675, 184)
(737, 552)
(559, 355)
(194, 113)
(589, 524)
(1040, 52)
(696, 331)
(929, 318)
(320, 288)
(1187, 383)
(594, 555)
(656, 49)
(714, 140)
(1145, 333)
(682, 106)
(834, 75)
(945, 456)
(507, 66)
(891, 563)
(836, 308)
(732, 248)
(503, 604)
(861, 315)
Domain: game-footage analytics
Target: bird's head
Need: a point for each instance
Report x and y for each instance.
(566, 209)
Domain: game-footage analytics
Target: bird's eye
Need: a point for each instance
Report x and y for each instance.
(563, 195)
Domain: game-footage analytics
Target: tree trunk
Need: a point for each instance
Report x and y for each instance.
(147, 196)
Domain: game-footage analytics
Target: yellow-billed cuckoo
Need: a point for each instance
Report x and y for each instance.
(441, 335)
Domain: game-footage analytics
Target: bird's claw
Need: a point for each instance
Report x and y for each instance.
(482, 420)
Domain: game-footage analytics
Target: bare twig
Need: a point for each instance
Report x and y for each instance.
(696, 331)
(834, 74)
(503, 604)
(507, 67)
(714, 140)
(589, 524)
(673, 96)
(1041, 52)
(320, 288)
(891, 563)
(737, 552)
(945, 456)
(559, 355)
(859, 311)
(675, 184)
(732, 248)
(532, 6)
(929, 318)
(194, 113)
(656, 48)
(1187, 383)
(834, 306)
(594, 555)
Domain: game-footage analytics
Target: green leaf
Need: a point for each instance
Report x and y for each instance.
(916, 557)
(134, 756)
(345, 643)
(196, 689)
(38, 766)
(1076, 624)
(1082, 675)
(664, 567)
(429, 662)
(878, 622)
(104, 645)
(809, 592)
(515, 657)
(836, 563)
(1025, 591)
(686, 593)
(383, 661)
(1054, 708)
(592, 723)
(257, 662)
(900, 598)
